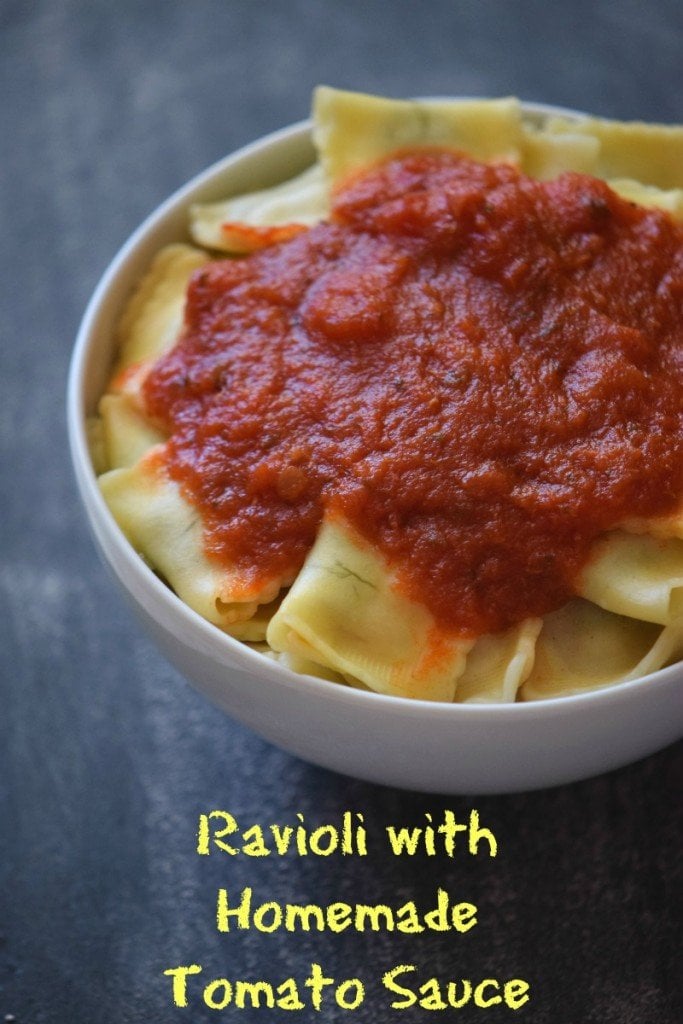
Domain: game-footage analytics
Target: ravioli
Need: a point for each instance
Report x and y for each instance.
(345, 615)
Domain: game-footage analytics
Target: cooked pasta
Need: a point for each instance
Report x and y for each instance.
(345, 612)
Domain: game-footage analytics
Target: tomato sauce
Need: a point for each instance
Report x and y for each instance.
(480, 371)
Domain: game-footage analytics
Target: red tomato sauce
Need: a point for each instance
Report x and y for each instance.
(481, 372)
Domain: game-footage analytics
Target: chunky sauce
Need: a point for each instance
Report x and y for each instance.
(480, 371)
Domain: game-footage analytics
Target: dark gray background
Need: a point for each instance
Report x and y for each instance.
(106, 755)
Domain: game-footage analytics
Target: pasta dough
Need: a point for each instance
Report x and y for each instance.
(344, 611)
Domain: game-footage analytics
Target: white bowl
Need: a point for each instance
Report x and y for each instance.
(448, 748)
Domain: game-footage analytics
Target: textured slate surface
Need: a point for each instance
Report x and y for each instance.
(106, 755)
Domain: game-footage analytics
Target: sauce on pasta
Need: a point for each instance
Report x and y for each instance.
(479, 371)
